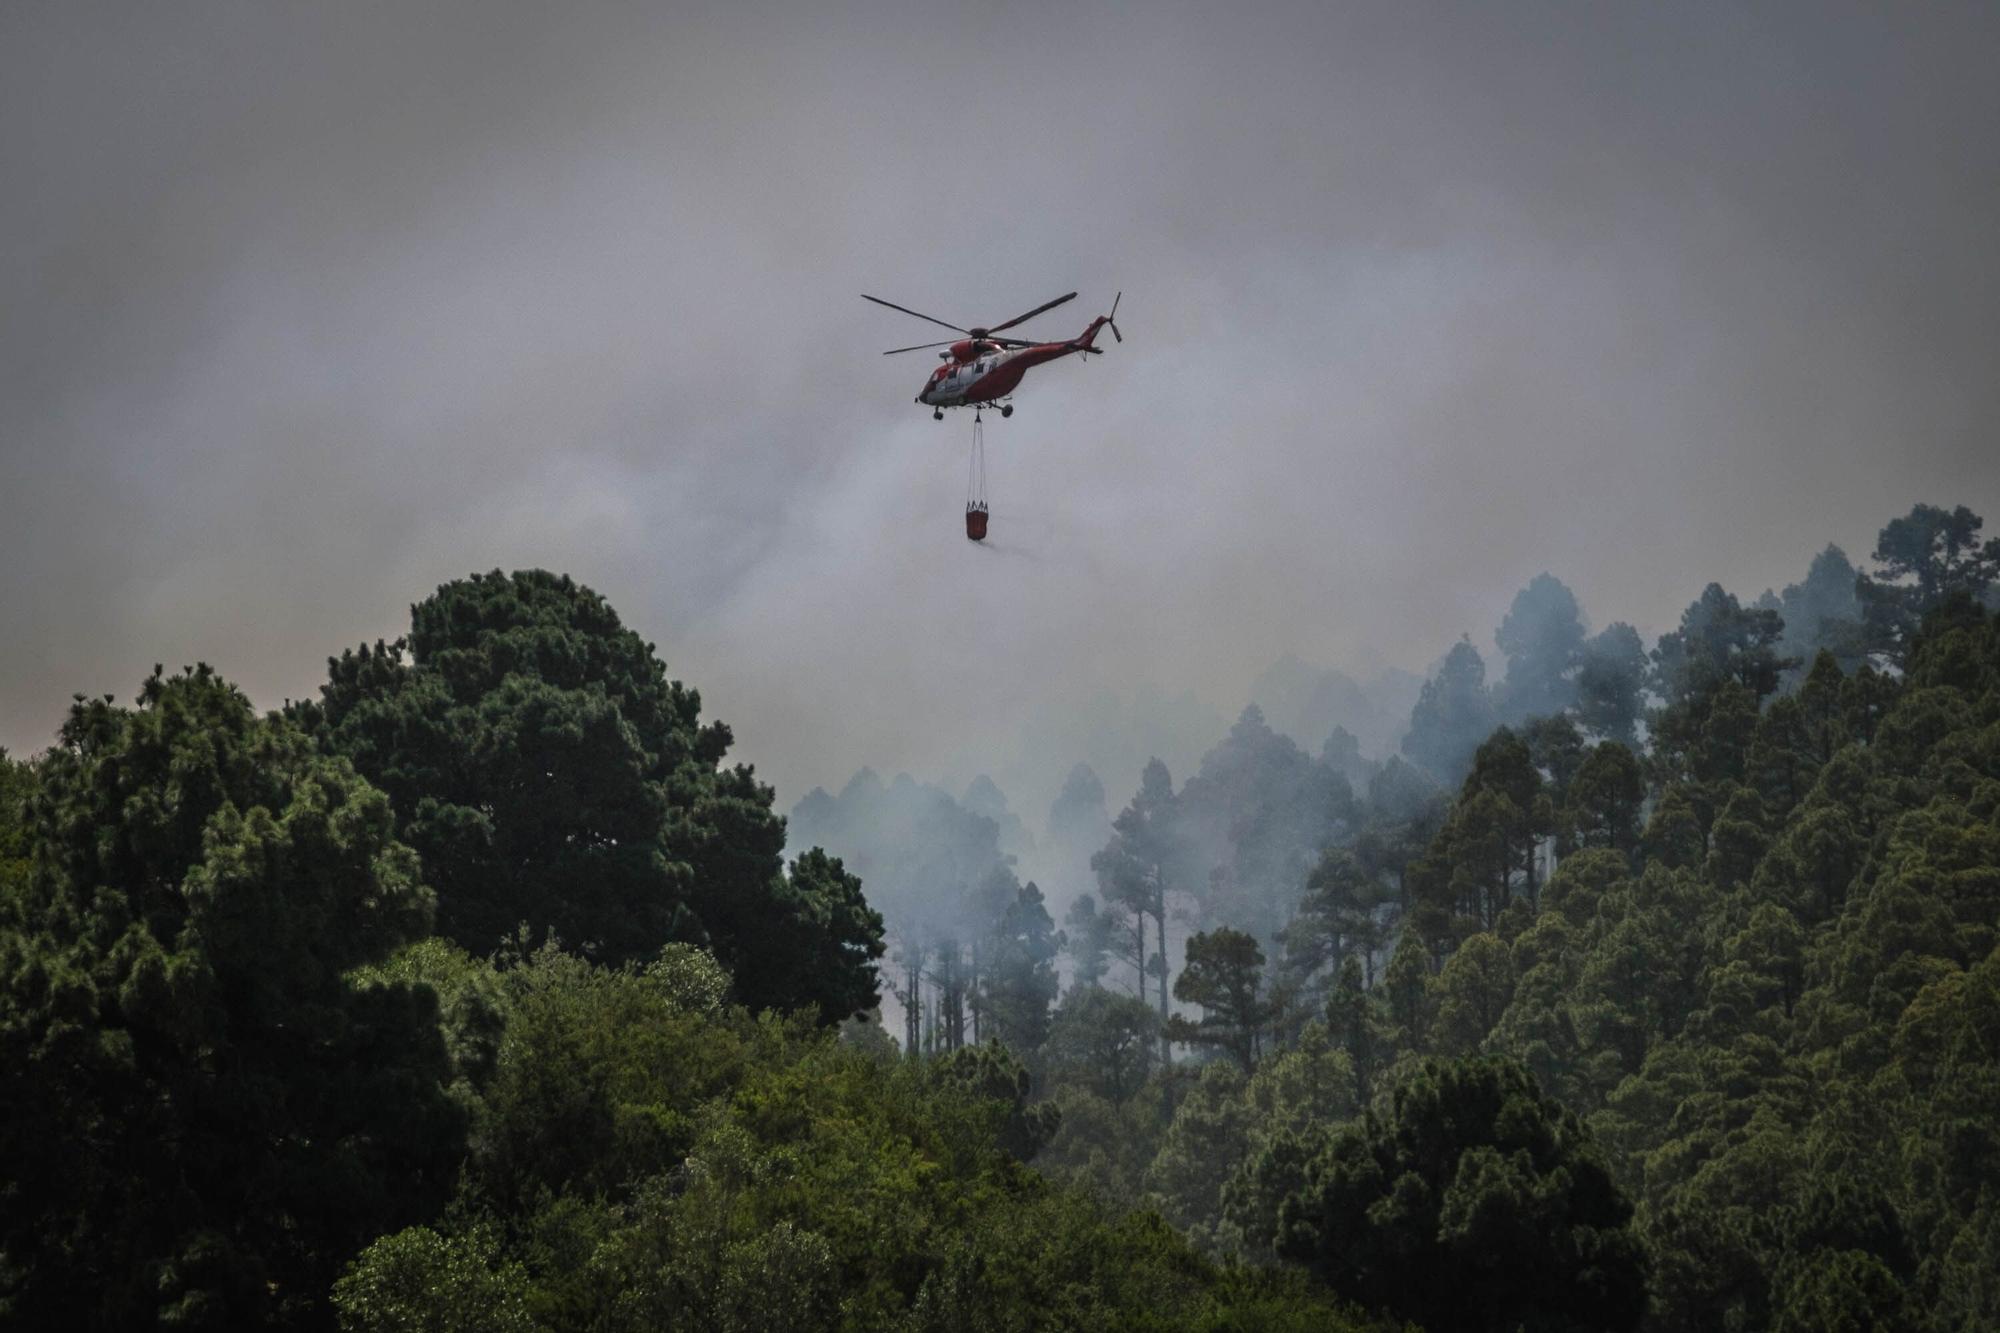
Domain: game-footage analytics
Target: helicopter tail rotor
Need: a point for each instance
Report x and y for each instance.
(1086, 345)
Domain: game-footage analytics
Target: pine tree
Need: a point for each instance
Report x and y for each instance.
(1019, 975)
(1492, 1191)
(1224, 974)
(547, 771)
(205, 1116)
(1138, 871)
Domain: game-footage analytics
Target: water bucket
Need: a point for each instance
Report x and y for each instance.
(975, 522)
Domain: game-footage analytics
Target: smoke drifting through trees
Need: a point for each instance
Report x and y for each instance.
(1701, 1013)
(970, 942)
(1300, 825)
(1647, 885)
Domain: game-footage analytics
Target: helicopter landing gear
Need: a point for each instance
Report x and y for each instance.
(937, 414)
(1006, 409)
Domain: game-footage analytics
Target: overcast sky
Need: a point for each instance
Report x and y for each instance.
(305, 309)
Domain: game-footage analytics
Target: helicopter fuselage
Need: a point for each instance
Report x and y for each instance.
(977, 371)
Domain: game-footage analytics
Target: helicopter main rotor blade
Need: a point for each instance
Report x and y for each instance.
(1018, 319)
(919, 347)
(906, 310)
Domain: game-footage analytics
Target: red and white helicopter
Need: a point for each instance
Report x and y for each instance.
(980, 369)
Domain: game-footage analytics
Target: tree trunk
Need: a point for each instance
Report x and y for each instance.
(952, 1010)
(972, 987)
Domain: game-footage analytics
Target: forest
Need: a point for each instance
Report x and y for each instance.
(1640, 987)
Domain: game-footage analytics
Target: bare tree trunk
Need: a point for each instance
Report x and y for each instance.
(1139, 950)
(1166, 1047)
(972, 987)
(957, 998)
(947, 994)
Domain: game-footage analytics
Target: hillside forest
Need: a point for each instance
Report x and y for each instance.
(1638, 986)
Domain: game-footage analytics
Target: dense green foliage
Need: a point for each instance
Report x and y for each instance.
(1478, 1181)
(1651, 990)
(204, 1116)
(1705, 960)
(247, 1086)
(548, 773)
(643, 1156)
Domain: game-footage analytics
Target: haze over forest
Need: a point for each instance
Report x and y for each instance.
(306, 312)
(1461, 791)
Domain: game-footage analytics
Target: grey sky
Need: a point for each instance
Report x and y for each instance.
(305, 309)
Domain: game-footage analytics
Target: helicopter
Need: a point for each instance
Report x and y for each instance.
(980, 369)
